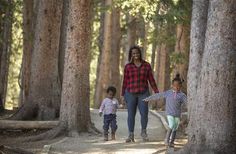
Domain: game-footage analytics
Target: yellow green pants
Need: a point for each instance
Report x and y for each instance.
(173, 122)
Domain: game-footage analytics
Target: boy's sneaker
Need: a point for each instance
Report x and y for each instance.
(113, 136)
(130, 138)
(105, 136)
(144, 135)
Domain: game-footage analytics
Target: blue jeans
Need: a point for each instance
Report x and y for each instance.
(109, 120)
(133, 101)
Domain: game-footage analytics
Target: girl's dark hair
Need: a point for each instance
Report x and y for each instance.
(178, 79)
(130, 52)
(112, 89)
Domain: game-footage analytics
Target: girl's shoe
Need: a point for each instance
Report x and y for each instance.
(167, 139)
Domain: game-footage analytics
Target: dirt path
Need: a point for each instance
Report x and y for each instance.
(87, 144)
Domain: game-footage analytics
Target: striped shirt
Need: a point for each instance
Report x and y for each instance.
(174, 100)
(109, 106)
(136, 78)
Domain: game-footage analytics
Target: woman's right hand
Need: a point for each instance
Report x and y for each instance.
(122, 98)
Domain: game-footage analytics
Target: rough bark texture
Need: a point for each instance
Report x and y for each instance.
(75, 113)
(62, 47)
(212, 118)
(104, 75)
(100, 45)
(163, 69)
(43, 101)
(5, 44)
(28, 37)
(13, 124)
(182, 47)
(131, 35)
(115, 50)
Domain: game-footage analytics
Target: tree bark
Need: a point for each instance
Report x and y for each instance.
(5, 50)
(100, 45)
(104, 76)
(43, 101)
(115, 50)
(13, 124)
(28, 37)
(75, 113)
(182, 47)
(212, 125)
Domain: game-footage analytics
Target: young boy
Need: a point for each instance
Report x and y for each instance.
(108, 108)
(174, 100)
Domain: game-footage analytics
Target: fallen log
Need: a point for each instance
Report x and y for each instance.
(15, 124)
(8, 149)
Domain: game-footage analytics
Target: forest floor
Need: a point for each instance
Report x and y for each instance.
(94, 144)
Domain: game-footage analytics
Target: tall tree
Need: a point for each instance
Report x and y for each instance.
(43, 101)
(104, 75)
(182, 52)
(5, 47)
(115, 50)
(75, 113)
(211, 78)
(28, 34)
(182, 40)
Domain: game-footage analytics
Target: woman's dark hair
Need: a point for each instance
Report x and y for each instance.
(130, 52)
(112, 89)
(178, 79)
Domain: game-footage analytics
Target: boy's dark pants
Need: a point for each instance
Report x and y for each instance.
(109, 120)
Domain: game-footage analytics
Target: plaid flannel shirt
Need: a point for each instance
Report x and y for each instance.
(136, 78)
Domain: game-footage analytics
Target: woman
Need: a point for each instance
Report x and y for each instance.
(137, 74)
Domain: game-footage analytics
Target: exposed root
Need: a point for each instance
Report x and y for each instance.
(50, 134)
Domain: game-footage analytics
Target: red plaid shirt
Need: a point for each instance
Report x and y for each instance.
(136, 78)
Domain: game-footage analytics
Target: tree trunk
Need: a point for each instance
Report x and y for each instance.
(100, 45)
(115, 50)
(163, 78)
(182, 48)
(75, 113)
(43, 101)
(212, 118)
(62, 47)
(131, 35)
(28, 37)
(5, 44)
(104, 75)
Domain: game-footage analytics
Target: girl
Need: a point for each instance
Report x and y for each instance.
(174, 100)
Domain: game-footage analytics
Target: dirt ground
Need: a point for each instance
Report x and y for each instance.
(94, 144)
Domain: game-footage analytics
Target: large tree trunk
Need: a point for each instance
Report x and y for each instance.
(75, 113)
(5, 49)
(182, 48)
(212, 102)
(104, 75)
(43, 101)
(115, 50)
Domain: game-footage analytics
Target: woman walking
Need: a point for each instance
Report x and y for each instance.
(137, 74)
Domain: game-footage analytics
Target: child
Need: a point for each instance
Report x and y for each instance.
(174, 100)
(108, 108)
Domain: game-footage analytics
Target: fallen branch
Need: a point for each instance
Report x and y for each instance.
(14, 124)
